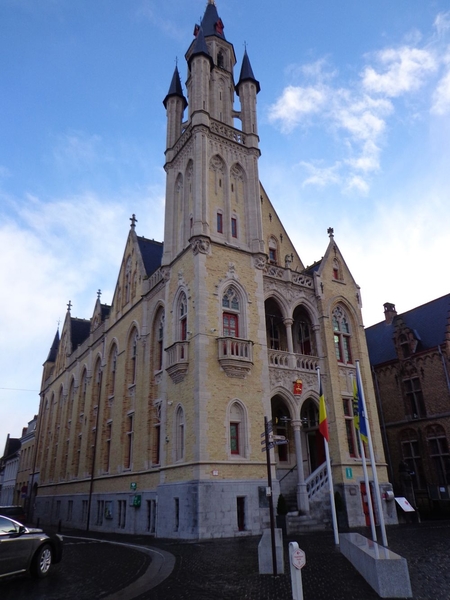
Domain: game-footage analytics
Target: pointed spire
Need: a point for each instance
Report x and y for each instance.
(54, 349)
(247, 74)
(175, 88)
(200, 47)
(211, 23)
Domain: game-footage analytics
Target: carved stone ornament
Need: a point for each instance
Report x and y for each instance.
(200, 245)
(259, 262)
(165, 272)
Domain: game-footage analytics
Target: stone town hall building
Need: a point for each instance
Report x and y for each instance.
(152, 410)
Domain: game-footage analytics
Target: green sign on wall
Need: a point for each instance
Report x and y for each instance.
(349, 473)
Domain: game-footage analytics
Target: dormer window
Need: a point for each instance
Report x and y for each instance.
(404, 346)
(273, 251)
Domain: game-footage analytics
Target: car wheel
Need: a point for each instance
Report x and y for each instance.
(42, 561)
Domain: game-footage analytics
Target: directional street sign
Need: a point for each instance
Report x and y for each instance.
(277, 438)
(270, 446)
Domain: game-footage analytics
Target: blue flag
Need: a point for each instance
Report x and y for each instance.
(359, 416)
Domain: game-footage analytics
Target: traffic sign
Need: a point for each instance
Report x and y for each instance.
(299, 559)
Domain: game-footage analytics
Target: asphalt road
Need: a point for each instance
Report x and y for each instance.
(89, 569)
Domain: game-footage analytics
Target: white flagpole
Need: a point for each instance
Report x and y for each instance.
(372, 460)
(330, 480)
(366, 475)
(369, 495)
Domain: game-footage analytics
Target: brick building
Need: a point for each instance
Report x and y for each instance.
(410, 354)
(152, 410)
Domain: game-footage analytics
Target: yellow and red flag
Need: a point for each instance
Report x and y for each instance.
(323, 421)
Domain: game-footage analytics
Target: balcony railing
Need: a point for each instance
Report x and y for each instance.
(235, 356)
(177, 360)
(298, 362)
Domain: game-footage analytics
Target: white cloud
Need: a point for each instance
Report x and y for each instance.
(321, 176)
(400, 70)
(357, 183)
(362, 117)
(295, 103)
(441, 96)
(442, 24)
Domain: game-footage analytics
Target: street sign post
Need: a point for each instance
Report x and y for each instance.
(297, 560)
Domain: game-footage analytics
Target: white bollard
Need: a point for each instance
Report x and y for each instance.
(297, 560)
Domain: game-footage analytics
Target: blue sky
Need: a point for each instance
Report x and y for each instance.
(354, 121)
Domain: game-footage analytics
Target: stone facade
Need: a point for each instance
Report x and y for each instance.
(152, 411)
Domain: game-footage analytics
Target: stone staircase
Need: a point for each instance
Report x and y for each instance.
(319, 517)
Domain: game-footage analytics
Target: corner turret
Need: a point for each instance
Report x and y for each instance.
(174, 103)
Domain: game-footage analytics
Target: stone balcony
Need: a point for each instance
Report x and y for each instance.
(294, 362)
(177, 358)
(235, 356)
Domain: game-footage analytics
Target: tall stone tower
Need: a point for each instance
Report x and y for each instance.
(213, 259)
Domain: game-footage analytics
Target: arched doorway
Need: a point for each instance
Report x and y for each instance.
(281, 420)
(310, 420)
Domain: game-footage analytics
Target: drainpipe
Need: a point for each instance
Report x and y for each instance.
(94, 451)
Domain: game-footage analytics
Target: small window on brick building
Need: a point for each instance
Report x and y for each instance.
(415, 405)
(219, 222)
(234, 227)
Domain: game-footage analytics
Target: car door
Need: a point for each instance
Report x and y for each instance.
(15, 548)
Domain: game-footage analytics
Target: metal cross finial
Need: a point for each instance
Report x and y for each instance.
(330, 231)
(99, 293)
(69, 306)
(133, 221)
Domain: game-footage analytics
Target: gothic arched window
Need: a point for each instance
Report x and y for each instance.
(182, 317)
(231, 310)
(342, 335)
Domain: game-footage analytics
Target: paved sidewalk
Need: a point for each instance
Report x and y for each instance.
(228, 569)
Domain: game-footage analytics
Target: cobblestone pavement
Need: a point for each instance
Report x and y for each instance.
(228, 569)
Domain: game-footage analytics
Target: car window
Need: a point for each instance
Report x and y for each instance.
(7, 526)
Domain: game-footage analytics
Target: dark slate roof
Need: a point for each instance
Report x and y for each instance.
(200, 46)
(247, 74)
(175, 88)
(314, 267)
(151, 253)
(209, 21)
(428, 322)
(80, 330)
(54, 349)
(11, 447)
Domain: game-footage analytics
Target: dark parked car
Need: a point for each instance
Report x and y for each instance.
(14, 512)
(23, 549)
